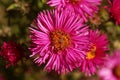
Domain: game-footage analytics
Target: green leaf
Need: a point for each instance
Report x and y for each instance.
(13, 6)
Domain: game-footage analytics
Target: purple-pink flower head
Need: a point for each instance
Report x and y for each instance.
(83, 8)
(56, 36)
(11, 52)
(96, 53)
(115, 10)
(111, 69)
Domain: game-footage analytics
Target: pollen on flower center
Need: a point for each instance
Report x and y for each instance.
(91, 52)
(60, 40)
(74, 1)
(116, 71)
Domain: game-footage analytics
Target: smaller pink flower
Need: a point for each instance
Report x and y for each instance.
(111, 69)
(115, 10)
(11, 52)
(82, 8)
(96, 53)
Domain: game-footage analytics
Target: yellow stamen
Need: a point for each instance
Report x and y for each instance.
(60, 40)
(91, 53)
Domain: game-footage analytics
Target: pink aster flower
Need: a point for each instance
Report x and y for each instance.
(115, 10)
(11, 52)
(96, 53)
(56, 36)
(83, 8)
(111, 69)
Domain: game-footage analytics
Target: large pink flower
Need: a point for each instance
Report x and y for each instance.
(111, 70)
(115, 10)
(56, 36)
(11, 52)
(83, 8)
(96, 52)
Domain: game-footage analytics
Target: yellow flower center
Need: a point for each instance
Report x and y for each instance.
(116, 71)
(91, 53)
(60, 40)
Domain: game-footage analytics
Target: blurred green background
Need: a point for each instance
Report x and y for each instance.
(15, 18)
